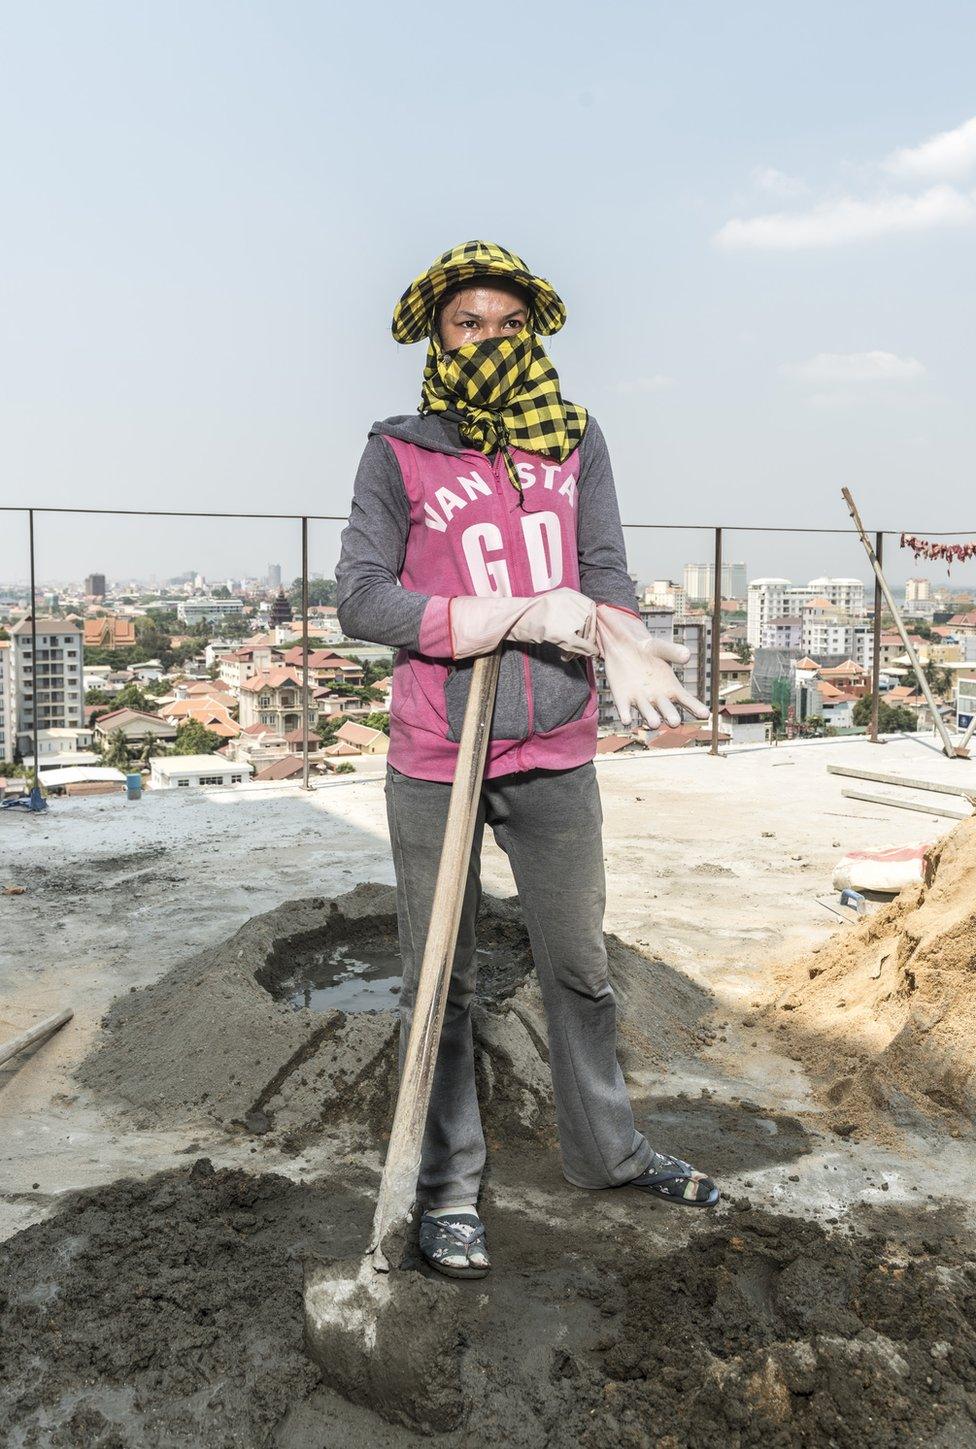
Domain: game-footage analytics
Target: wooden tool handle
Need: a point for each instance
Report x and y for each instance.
(398, 1186)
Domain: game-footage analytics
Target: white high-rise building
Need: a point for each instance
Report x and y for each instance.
(844, 594)
(917, 591)
(765, 600)
(274, 576)
(699, 581)
(768, 599)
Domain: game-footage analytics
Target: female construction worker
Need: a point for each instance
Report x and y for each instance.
(491, 516)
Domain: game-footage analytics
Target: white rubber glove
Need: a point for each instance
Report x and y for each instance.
(563, 617)
(638, 670)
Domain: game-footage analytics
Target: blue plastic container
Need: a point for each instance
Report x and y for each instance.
(133, 787)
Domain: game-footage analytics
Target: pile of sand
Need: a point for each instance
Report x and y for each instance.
(884, 1013)
(211, 1043)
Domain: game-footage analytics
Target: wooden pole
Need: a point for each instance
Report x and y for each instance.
(34, 1033)
(947, 744)
(305, 690)
(398, 1186)
(716, 640)
(876, 661)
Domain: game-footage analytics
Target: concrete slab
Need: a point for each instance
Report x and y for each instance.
(713, 864)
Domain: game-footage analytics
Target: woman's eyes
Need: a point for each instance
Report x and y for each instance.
(472, 324)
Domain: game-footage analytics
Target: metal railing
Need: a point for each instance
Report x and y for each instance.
(720, 534)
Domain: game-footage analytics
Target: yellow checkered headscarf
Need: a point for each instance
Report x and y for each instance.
(504, 392)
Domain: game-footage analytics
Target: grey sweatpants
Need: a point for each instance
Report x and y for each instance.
(549, 825)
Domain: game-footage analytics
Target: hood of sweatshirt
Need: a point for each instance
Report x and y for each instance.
(436, 432)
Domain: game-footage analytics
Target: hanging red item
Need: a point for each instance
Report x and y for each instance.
(950, 552)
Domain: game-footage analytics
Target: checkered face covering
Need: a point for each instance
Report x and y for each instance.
(504, 394)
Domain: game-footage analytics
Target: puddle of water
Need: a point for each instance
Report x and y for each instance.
(366, 975)
(347, 978)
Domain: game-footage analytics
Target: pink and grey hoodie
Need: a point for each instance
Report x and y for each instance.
(432, 519)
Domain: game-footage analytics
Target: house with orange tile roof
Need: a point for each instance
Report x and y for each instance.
(326, 668)
(213, 714)
(274, 697)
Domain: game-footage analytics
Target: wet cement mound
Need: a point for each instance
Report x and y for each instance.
(218, 1038)
(158, 1313)
(168, 1312)
(884, 1013)
(770, 1331)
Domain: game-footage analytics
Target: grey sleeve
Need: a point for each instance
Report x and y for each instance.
(599, 537)
(370, 601)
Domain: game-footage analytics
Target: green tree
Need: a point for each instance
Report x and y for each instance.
(329, 726)
(373, 669)
(152, 746)
(320, 591)
(938, 679)
(743, 651)
(892, 718)
(97, 696)
(344, 768)
(193, 738)
(115, 751)
(378, 720)
(132, 697)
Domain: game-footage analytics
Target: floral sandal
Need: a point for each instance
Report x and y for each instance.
(676, 1182)
(456, 1245)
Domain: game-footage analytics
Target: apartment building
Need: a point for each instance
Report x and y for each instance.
(965, 702)
(765, 601)
(49, 686)
(699, 581)
(6, 701)
(768, 599)
(918, 591)
(784, 632)
(696, 675)
(242, 664)
(192, 611)
(666, 594)
(847, 595)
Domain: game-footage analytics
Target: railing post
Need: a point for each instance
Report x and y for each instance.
(33, 618)
(876, 661)
(716, 636)
(305, 691)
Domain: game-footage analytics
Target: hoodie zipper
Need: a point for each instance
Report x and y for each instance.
(500, 474)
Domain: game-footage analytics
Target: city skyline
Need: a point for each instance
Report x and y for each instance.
(766, 301)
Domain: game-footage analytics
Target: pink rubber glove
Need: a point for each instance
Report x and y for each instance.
(638, 670)
(562, 617)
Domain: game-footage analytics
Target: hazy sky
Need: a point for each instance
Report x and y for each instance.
(762, 218)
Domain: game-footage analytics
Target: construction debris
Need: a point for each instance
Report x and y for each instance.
(33, 1034)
